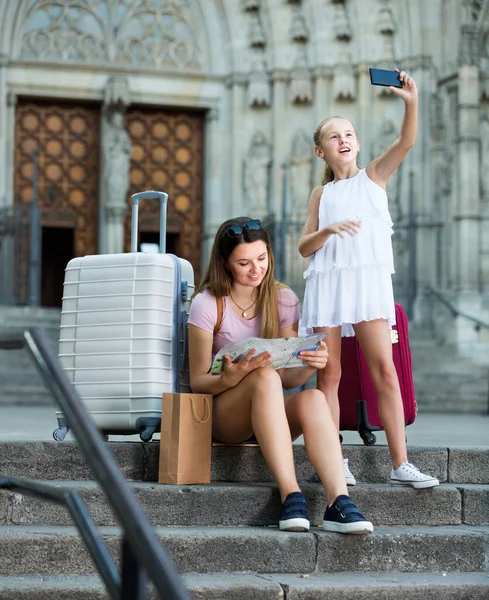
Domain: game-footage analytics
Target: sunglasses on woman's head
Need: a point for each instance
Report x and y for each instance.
(235, 230)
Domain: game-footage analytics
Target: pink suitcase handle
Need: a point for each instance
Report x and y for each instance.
(148, 195)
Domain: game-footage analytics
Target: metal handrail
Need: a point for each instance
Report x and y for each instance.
(455, 312)
(87, 528)
(141, 547)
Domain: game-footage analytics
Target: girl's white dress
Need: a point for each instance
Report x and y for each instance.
(349, 279)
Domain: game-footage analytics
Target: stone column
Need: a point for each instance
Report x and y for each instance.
(280, 135)
(114, 228)
(116, 164)
(214, 173)
(238, 107)
(466, 202)
(3, 131)
(322, 76)
(9, 148)
(366, 125)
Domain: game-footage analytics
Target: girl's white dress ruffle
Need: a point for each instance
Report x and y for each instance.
(349, 279)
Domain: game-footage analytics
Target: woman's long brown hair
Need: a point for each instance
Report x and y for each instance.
(218, 280)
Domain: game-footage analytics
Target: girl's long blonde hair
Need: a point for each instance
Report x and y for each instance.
(328, 173)
(218, 280)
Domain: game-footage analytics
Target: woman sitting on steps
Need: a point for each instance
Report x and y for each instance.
(248, 395)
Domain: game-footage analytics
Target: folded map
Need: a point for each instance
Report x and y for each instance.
(284, 352)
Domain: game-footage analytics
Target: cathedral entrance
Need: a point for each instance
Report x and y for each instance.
(167, 155)
(66, 138)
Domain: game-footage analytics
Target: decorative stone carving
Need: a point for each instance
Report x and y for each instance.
(447, 174)
(256, 37)
(257, 175)
(300, 83)
(298, 28)
(344, 79)
(469, 47)
(11, 98)
(484, 86)
(117, 156)
(133, 32)
(484, 171)
(341, 26)
(388, 133)
(385, 20)
(250, 5)
(116, 146)
(300, 171)
(259, 86)
(436, 118)
(472, 10)
(117, 92)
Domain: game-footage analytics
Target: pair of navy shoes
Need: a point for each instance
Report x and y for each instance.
(342, 516)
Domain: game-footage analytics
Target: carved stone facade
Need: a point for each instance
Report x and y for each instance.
(261, 75)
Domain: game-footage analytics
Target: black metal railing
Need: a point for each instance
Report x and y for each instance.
(478, 324)
(143, 556)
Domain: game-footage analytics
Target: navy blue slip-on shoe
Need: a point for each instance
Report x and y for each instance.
(344, 516)
(295, 514)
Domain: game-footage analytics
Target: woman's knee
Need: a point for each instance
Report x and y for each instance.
(265, 380)
(311, 404)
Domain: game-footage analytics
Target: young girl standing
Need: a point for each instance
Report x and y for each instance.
(349, 280)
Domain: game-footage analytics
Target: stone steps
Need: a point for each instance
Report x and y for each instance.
(237, 586)
(223, 537)
(258, 550)
(20, 381)
(139, 462)
(258, 505)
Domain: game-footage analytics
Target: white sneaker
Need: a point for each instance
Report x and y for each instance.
(408, 474)
(350, 480)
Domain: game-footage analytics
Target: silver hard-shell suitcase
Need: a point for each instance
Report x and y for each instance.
(123, 332)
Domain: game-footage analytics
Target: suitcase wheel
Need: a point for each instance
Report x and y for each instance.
(60, 433)
(368, 438)
(147, 434)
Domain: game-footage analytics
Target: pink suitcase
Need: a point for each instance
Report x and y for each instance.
(357, 394)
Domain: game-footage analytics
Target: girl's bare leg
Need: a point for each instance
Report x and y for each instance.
(256, 405)
(328, 379)
(309, 414)
(375, 340)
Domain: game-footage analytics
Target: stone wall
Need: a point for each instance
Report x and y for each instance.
(267, 71)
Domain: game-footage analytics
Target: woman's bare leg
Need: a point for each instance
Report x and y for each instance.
(256, 405)
(328, 379)
(309, 414)
(375, 340)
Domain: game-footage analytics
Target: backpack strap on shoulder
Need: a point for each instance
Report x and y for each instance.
(220, 310)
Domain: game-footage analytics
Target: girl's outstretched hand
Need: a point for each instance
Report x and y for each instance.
(409, 91)
(350, 227)
(316, 359)
(235, 371)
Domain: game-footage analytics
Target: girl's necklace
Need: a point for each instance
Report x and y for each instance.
(243, 313)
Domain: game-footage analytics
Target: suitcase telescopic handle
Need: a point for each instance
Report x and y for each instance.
(148, 195)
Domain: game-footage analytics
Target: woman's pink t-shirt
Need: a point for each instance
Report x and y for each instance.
(203, 314)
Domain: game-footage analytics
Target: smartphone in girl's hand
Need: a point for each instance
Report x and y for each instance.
(384, 77)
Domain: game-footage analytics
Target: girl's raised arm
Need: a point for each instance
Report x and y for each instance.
(381, 168)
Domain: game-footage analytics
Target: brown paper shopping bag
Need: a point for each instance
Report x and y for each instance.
(185, 442)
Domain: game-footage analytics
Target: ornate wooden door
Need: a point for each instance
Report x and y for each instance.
(167, 155)
(67, 138)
